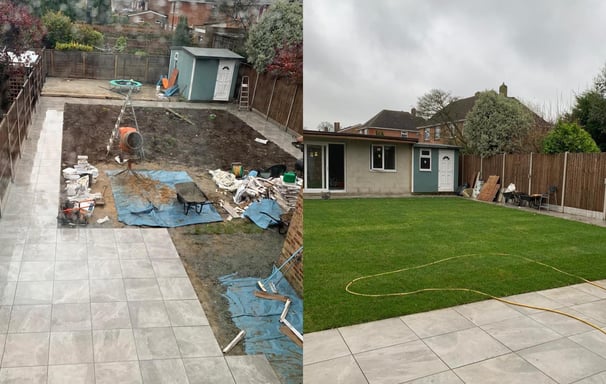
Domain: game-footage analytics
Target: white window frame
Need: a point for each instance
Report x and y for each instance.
(436, 133)
(427, 134)
(424, 153)
(372, 152)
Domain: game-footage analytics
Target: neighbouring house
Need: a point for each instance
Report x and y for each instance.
(205, 74)
(446, 126)
(354, 164)
(149, 17)
(390, 123)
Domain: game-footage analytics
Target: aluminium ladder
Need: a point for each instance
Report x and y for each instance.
(244, 94)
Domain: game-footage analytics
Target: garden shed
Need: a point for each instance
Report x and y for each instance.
(205, 74)
(435, 168)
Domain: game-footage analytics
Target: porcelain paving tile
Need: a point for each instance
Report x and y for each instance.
(185, 312)
(71, 373)
(597, 291)
(30, 375)
(520, 332)
(121, 372)
(439, 378)
(340, 370)
(595, 310)
(71, 235)
(168, 268)
(197, 341)
(251, 369)
(564, 360)
(71, 317)
(101, 251)
(71, 291)
(600, 378)
(208, 370)
(71, 270)
(399, 363)
(7, 292)
(30, 318)
(100, 235)
(176, 288)
(137, 268)
(568, 296)
(37, 271)
(104, 269)
(437, 322)
(465, 347)
(39, 252)
(107, 290)
(156, 343)
(128, 251)
(564, 325)
(509, 368)
(534, 299)
(594, 340)
(9, 271)
(71, 347)
(110, 315)
(128, 235)
(376, 334)
(324, 345)
(25, 349)
(71, 251)
(487, 311)
(114, 345)
(169, 371)
(142, 289)
(5, 316)
(34, 292)
(161, 251)
(148, 314)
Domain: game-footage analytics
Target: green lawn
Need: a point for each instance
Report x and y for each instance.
(349, 238)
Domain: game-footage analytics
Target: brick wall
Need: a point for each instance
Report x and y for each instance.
(293, 241)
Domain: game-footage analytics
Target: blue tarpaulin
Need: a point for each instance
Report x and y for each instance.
(260, 318)
(137, 209)
(264, 213)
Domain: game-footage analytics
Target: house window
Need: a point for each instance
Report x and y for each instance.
(404, 134)
(436, 133)
(383, 157)
(425, 160)
(452, 129)
(427, 134)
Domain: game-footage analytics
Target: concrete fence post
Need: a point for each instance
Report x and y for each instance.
(530, 176)
(564, 179)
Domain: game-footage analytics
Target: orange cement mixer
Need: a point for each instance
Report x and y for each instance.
(130, 139)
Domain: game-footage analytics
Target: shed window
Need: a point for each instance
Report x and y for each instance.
(383, 157)
(425, 160)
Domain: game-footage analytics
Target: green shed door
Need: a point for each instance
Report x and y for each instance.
(225, 74)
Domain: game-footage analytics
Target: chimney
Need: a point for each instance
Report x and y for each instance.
(503, 90)
(413, 112)
(337, 126)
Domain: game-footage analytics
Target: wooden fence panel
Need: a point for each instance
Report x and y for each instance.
(492, 166)
(295, 122)
(261, 92)
(281, 99)
(585, 181)
(517, 169)
(547, 171)
(470, 166)
(5, 161)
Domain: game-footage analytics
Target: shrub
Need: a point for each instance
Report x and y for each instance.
(87, 35)
(73, 46)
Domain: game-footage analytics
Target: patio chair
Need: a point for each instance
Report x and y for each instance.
(546, 197)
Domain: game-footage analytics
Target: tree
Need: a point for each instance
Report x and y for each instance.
(87, 35)
(58, 28)
(325, 126)
(280, 27)
(496, 124)
(590, 112)
(99, 11)
(182, 36)
(569, 137)
(288, 62)
(238, 11)
(434, 105)
(19, 31)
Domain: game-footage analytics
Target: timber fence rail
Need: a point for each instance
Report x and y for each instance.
(276, 98)
(15, 124)
(580, 178)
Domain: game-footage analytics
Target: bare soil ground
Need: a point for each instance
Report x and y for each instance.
(189, 140)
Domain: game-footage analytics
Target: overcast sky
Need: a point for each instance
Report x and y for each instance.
(364, 56)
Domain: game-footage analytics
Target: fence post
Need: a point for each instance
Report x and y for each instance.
(292, 103)
(530, 176)
(252, 100)
(503, 172)
(271, 97)
(565, 172)
(10, 157)
(604, 207)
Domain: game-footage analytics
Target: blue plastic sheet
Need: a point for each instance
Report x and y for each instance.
(264, 212)
(135, 209)
(260, 318)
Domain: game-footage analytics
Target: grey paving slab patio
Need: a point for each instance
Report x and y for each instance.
(483, 342)
(93, 305)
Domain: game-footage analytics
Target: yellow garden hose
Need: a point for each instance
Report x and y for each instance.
(408, 293)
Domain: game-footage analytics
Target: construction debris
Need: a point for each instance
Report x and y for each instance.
(271, 296)
(235, 341)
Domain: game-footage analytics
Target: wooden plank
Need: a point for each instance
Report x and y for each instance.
(489, 189)
(179, 115)
(291, 335)
(270, 296)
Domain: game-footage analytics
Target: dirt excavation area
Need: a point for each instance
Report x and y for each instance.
(194, 141)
